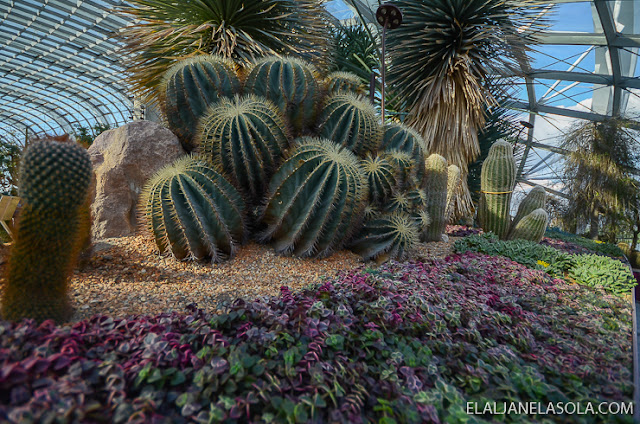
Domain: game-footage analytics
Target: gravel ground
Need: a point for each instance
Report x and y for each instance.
(127, 276)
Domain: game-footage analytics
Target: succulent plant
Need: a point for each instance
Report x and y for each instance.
(399, 137)
(403, 166)
(535, 199)
(192, 210)
(531, 227)
(291, 85)
(344, 81)
(55, 179)
(380, 176)
(189, 87)
(316, 199)
(435, 186)
(246, 137)
(498, 177)
(351, 122)
(388, 236)
(453, 185)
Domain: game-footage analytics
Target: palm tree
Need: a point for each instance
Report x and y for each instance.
(354, 50)
(444, 58)
(243, 30)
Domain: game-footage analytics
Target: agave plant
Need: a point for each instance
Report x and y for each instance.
(442, 59)
(242, 30)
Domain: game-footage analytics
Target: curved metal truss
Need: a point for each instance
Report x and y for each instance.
(59, 66)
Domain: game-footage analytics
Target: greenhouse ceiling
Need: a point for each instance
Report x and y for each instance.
(60, 68)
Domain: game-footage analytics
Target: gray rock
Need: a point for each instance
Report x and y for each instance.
(123, 160)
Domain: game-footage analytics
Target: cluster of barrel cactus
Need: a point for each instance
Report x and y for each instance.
(498, 178)
(303, 161)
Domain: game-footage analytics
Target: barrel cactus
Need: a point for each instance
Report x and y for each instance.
(55, 179)
(246, 137)
(497, 180)
(403, 166)
(344, 81)
(189, 87)
(531, 227)
(351, 122)
(535, 199)
(435, 186)
(291, 85)
(380, 176)
(316, 199)
(399, 137)
(388, 236)
(193, 211)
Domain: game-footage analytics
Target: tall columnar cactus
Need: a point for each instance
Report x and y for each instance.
(435, 186)
(535, 199)
(194, 211)
(316, 199)
(380, 176)
(498, 177)
(402, 138)
(55, 179)
(344, 81)
(453, 185)
(531, 227)
(246, 137)
(291, 85)
(388, 236)
(351, 122)
(189, 87)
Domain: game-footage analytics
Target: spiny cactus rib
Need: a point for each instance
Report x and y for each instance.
(291, 85)
(435, 186)
(246, 137)
(391, 236)
(498, 177)
(535, 199)
(403, 166)
(194, 211)
(531, 227)
(55, 179)
(316, 199)
(402, 138)
(453, 185)
(344, 81)
(399, 202)
(189, 87)
(381, 178)
(351, 122)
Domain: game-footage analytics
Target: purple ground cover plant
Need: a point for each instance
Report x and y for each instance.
(462, 231)
(406, 342)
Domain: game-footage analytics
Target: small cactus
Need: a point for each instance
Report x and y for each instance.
(453, 185)
(388, 236)
(189, 87)
(435, 186)
(192, 210)
(55, 179)
(316, 199)
(344, 81)
(498, 177)
(246, 137)
(531, 227)
(291, 85)
(399, 137)
(351, 122)
(381, 178)
(535, 199)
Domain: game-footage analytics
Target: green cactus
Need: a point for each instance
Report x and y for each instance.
(399, 137)
(246, 138)
(453, 185)
(388, 236)
(344, 81)
(435, 185)
(531, 227)
(189, 87)
(403, 166)
(55, 179)
(497, 179)
(316, 199)
(291, 85)
(351, 122)
(381, 177)
(399, 202)
(191, 209)
(535, 199)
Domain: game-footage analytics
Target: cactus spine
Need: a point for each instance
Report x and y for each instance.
(389, 236)
(246, 137)
(531, 227)
(498, 177)
(55, 179)
(291, 85)
(402, 138)
(344, 81)
(435, 186)
(189, 87)
(535, 199)
(316, 199)
(351, 122)
(380, 176)
(192, 210)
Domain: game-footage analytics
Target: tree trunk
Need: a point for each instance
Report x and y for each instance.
(593, 226)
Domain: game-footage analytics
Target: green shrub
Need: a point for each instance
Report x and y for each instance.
(596, 246)
(602, 271)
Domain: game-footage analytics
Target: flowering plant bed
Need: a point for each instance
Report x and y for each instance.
(407, 342)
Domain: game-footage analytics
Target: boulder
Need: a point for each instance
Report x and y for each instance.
(123, 160)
